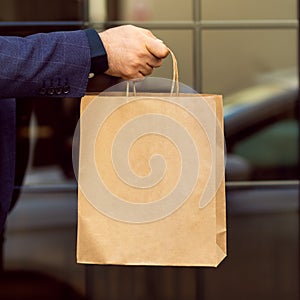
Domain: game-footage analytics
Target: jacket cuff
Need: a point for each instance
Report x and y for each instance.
(99, 62)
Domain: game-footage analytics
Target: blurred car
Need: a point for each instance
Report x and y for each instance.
(261, 130)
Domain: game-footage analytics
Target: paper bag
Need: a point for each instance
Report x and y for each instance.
(151, 180)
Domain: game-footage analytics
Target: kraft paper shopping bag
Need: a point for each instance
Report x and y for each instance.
(151, 180)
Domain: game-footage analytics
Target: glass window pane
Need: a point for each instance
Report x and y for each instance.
(263, 247)
(235, 59)
(256, 72)
(156, 10)
(248, 9)
(181, 43)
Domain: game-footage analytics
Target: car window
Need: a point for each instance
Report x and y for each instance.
(261, 129)
(270, 153)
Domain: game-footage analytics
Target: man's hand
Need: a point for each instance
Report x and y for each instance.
(132, 52)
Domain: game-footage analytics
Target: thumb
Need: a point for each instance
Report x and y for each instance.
(157, 48)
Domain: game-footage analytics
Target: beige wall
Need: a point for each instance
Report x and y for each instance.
(97, 10)
(156, 9)
(231, 59)
(212, 9)
(249, 9)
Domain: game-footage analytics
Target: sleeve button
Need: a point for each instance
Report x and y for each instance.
(51, 91)
(59, 90)
(43, 91)
(66, 89)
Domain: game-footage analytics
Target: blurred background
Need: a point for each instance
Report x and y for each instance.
(245, 50)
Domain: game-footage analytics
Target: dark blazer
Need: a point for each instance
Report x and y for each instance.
(55, 65)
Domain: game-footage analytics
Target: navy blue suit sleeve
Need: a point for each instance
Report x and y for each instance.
(99, 62)
(52, 64)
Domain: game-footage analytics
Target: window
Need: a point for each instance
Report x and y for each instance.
(247, 51)
(231, 49)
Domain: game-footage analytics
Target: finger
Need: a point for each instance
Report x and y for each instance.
(146, 70)
(137, 76)
(155, 62)
(157, 48)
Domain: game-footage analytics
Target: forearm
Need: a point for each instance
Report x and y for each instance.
(53, 64)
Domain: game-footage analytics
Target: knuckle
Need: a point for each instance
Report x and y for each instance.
(148, 32)
(129, 72)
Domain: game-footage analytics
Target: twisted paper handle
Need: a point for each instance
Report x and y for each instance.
(175, 80)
